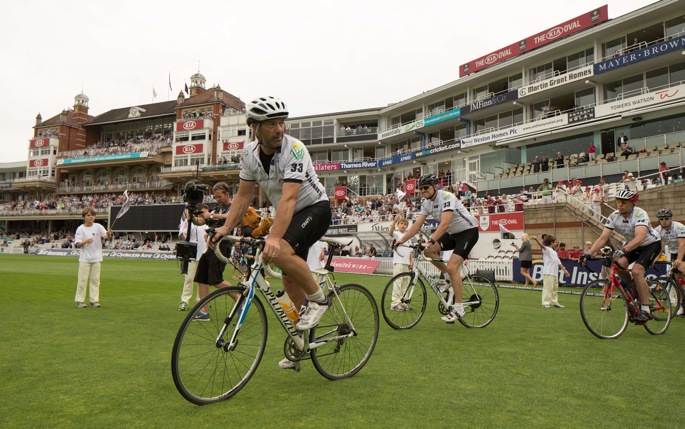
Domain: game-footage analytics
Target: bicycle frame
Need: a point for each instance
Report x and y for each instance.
(423, 274)
(614, 283)
(255, 281)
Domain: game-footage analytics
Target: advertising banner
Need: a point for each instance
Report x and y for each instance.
(188, 149)
(641, 101)
(38, 143)
(513, 221)
(355, 265)
(327, 167)
(542, 38)
(233, 146)
(190, 125)
(340, 192)
(640, 54)
(34, 163)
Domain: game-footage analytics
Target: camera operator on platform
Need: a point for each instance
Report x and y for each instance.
(210, 270)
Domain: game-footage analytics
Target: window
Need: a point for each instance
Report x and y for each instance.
(677, 73)
(585, 97)
(612, 90)
(675, 26)
(657, 79)
(633, 85)
(614, 47)
(515, 81)
(459, 100)
(542, 72)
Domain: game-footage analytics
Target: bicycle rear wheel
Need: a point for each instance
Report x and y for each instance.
(404, 301)
(481, 301)
(355, 311)
(660, 307)
(204, 371)
(604, 314)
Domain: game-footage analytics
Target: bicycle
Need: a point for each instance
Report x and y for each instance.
(675, 287)
(607, 305)
(481, 298)
(212, 360)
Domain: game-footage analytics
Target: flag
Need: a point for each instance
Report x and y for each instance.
(186, 88)
(170, 89)
(125, 206)
(154, 93)
(505, 233)
(400, 195)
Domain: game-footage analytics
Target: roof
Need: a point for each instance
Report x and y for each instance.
(55, 120)
(206, 96)
(165, 108)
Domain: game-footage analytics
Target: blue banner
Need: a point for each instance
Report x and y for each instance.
(638, 55)
(580, 276)
(358, 164)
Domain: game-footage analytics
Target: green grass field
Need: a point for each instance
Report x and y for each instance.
(62, 367)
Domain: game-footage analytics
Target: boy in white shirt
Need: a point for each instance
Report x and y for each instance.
(88, 238)
(402, 261)
(550, 272)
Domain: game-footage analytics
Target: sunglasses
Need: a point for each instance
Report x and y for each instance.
(425, 188)
(622, 201)
(664, 218)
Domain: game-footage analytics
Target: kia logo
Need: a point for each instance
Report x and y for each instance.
(232, 146)
(189, 149)
(190, 125)
(339, 193)
(38, 163)
(410, 186)
(554, 33)
(39, 143)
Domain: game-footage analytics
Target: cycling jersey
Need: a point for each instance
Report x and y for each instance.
(626, 227)
(445, 201)
(291, 163)
(670, 237)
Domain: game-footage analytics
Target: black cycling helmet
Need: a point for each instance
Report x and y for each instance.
(661, 213)
(428, 179)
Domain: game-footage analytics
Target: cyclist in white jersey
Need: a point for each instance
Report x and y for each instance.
(673, 235)
(457, 231)
(642, 245)
(282, 167)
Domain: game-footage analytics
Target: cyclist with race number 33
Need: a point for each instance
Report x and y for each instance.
(283, 168)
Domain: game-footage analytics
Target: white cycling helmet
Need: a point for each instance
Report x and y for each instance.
(627, 194)
(265, 108)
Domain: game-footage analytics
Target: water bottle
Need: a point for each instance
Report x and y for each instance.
(630, 290)
(285, 302)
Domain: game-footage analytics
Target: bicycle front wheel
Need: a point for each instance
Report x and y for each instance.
(353, 311)
(660, 307)
(675, 294)
(404, 301)
(604, 313)
(481, 301)
(205, 370)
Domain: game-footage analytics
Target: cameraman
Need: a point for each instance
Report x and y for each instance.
(210, 270)
(197, 235)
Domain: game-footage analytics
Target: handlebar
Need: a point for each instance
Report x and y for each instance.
(252, 242)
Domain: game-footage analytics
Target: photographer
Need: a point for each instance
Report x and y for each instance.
(197, 235)
(210, 270)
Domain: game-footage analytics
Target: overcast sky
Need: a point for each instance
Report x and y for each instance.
(318, 56)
